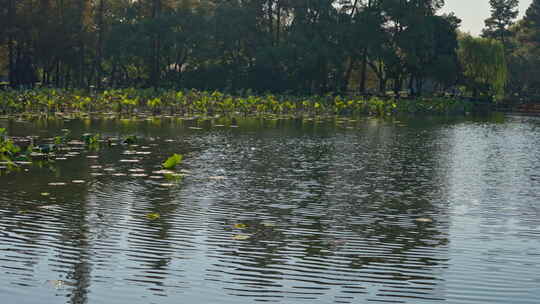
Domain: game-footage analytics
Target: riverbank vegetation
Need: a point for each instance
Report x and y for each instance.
(367, 47)
(193, 102)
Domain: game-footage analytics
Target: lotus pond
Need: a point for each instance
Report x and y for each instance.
(220, 210)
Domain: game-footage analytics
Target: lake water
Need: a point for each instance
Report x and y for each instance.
(284, 211)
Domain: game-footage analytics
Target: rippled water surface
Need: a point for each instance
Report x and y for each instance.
(287, 211)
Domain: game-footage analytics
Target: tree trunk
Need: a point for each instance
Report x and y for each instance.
(347, 77)
(99, 51)
(57, 74)
(278, 22)
(411, 86)
(11, 62)
(419, 86)
(155, 65)
(382, 85)
(363, 72)
(82, 69)
(398, 83)
(11, 51)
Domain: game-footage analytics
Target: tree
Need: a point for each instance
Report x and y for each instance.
(524, 61)
(413, 29)
(484, 66)
(370, 35)
(503, 14)
(531, 25)
(302, 46)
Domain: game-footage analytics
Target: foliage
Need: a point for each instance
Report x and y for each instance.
(252, 48)
(172, 161)
(153, 216)
(91, 139)
(308, 47)
(194, 102)
(524, 62)
(503, 13)
(484, 66)
(8, 149)
(130, 140)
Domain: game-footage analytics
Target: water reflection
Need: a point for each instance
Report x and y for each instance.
(288, 211)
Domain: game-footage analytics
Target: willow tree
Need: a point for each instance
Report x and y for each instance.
(483, 65)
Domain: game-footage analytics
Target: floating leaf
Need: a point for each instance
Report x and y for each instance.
(240, 237)
(240, 226)
(153, 216)
(91, 139)
(58, 140)
(45, 193)
(130, 140)
(172, 161)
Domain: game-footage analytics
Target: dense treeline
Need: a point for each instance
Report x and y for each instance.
(300, 46)
(522, 45)
(276, 45)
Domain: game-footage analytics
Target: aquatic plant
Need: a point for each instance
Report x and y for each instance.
(90, 139)
(153, 216)
(130, 140)
(45, 148)
(8, 149)
(172, 161)
(131, 101)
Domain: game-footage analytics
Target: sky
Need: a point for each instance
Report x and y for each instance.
(474, 12)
